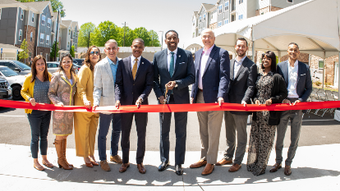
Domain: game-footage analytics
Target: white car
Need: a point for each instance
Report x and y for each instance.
(5, 89)
(14, 79)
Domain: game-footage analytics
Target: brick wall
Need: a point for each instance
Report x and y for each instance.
(30, 44)
(329, 64)
(44, 51)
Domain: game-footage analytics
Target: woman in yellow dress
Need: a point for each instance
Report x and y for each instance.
(85, 124)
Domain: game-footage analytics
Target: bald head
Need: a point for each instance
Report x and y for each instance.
(208, 38)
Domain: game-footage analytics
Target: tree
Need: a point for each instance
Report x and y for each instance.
(55, 4)
(105, 31)
(72, 51)
(154, 38)
(23, 55)
(142, 33)
(54, 52)
(84, 37)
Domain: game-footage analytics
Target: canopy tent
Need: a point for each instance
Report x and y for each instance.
(313, 25)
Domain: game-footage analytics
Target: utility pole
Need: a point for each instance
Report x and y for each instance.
(124, 25)
(56, 39)
(88, 41)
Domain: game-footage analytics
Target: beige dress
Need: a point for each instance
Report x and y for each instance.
(62, 90)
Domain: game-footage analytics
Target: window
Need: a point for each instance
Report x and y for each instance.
(240, 1)
(43, 19)
(0, 13)
(226, 21)
(200, 18)
(68, 44)
(69, 31)
(42, 37)
(240, 17)
(20, 35)
(290, 1)
(220, 9)
(219, 24)
(31, 36)
(33, 17)
(226, 6)
(22, 14)
(321, 64)
(48, 39)
(204, 16)
(49, 22)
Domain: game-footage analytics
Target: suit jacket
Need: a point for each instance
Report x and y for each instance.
(304, 82)
(103, 84)
(215, 78)
(242, 85)
(129, 90)
(183, 75)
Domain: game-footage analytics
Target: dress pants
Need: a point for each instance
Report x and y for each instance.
(180, 130)
(296, 121)
(210, 127)
(141, 120)
(235, 123)
(85, 129)
(104, 124)
(40, 123)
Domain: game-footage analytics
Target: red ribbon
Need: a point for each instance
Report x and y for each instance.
(174, 107)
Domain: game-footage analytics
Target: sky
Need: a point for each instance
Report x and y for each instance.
(157, 15)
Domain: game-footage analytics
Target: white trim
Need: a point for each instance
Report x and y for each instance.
(41, 42)
(49, 19)
(20, 38)
(22, 14)
(32, 17)
(16, 26)
(48, 41)
(31, 37)
(43, 24)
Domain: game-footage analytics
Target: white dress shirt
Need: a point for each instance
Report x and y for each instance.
(169, 58)
(237, 65)
(204, 60)
(133, 61)
(292, 80)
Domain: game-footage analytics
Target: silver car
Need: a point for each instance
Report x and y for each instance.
(15, 81)
(5, 89)
(17, 66)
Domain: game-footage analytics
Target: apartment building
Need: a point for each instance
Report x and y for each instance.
(227, 11)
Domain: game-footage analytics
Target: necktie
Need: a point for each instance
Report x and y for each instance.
(134, 69)
(171, 70)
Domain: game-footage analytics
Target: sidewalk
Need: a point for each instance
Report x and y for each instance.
(314, 168)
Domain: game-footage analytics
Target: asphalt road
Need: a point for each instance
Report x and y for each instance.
(15, 130)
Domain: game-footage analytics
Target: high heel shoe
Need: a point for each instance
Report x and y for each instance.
(94, 163)
(89, 164)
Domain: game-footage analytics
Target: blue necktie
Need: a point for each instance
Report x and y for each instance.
(172, 60)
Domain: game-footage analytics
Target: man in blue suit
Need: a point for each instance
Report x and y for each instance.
(174, 70)
(134, 83)
(299, 86)
(212, 69)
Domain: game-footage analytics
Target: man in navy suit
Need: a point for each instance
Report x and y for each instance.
(174, 70)
(212, 69)
(299, 86)
(243, 73)
(133, 85)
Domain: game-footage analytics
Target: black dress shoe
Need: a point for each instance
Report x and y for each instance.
(163, 166)
(178, 169)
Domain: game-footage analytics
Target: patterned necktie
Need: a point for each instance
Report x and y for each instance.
(172, 60)
(134, 69)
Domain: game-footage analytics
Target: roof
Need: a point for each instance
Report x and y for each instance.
(40, 6)
(208, 6)
(33, 6)
(75, 24)
(66, 23)
(8, 1)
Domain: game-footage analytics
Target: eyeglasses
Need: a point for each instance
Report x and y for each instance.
(93, 52)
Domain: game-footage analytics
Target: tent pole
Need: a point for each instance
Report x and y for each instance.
(339, 76)
(252, 43)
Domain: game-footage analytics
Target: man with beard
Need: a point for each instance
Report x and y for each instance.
(133, 86)
(174, 70)
(243, 73)
(299, 86)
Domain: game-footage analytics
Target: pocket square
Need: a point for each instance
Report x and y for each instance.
(303, 74)
(182, 63)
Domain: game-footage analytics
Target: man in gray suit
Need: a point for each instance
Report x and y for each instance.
(174, 70)
(103, 94)
(299, 85)
(243, 73)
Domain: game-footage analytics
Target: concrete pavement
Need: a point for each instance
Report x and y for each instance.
(314, 168)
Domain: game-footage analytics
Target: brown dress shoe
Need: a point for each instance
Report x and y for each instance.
(124, 167)
(276, 167)
(235, 167)
(116, 159)
(198, 164)
(224, 162)
(288, 170)
(209, 168)
(105, 166)
(141, 168)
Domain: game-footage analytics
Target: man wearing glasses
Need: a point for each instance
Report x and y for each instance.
(104, 83)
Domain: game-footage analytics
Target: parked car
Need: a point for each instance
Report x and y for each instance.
(80, 61)
(52, 67)
(15, 81)
(5, 89)
(17, 66)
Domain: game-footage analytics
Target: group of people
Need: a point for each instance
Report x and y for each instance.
(215, 79)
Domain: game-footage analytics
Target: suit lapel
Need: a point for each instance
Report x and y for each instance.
(241, 68)
(128, 67)
(141, 67)
(285, 72)
(232, 63)
(299, 74)
(178, 57)
(164, 57)
(198, 64)
(108, 69)
(212, 54)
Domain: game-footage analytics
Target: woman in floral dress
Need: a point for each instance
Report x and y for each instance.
(61, 92)
(270, 88)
